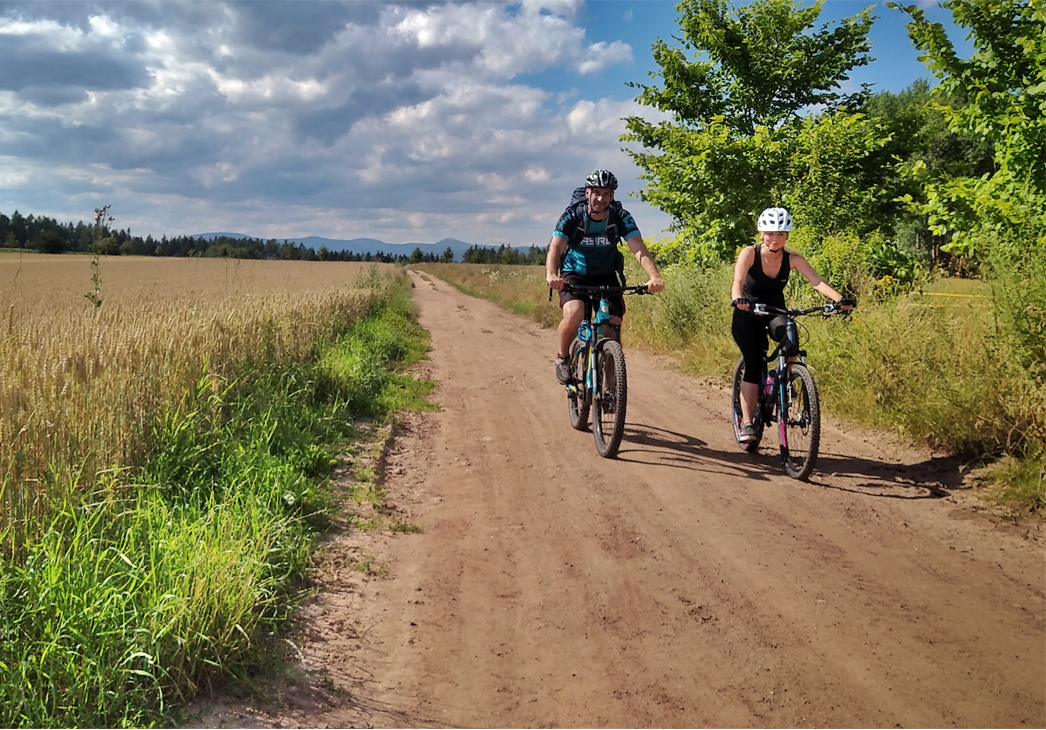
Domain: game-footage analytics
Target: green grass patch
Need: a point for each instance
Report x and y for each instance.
(1017, 483)
(167, 578)
(964, 287)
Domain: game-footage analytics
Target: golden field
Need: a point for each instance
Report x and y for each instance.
(81, 386)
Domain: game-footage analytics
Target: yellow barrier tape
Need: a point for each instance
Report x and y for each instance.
(964, 296)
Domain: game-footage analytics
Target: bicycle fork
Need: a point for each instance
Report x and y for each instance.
(781, 386)
(782, 404)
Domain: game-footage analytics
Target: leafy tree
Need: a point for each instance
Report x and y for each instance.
(17, 228)
(1004, 87)
(50, 242)
(920, 130)
(289, 251)
(448, 256)
(734, 113)
(840, 174)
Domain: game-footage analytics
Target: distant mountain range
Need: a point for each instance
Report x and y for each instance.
(362, 245)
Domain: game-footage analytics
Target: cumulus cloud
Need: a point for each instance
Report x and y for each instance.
(400, 122)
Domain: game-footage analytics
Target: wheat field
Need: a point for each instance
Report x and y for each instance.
(81, 385)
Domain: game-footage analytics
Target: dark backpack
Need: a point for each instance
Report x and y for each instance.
(579, 205)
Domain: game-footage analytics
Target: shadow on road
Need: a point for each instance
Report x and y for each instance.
(933, 478)
(661, 447)
(930, 479)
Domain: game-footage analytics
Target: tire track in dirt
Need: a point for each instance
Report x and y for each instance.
(683, 584)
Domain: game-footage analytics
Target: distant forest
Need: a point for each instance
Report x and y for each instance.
(46, 235)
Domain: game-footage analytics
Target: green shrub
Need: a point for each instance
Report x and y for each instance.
(857, 266)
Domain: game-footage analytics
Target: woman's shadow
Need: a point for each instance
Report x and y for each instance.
(933, 478)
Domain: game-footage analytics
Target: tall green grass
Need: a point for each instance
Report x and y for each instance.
(163, 578)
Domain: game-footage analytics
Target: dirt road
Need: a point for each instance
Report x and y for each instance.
(683, 584)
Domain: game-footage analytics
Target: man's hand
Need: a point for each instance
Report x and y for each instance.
(655, 284)
(555, 282)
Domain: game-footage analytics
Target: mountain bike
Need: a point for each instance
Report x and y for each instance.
(787, 395)
(597, 369)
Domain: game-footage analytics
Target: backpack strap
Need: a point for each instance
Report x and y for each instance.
(614, 221)
(580, 211)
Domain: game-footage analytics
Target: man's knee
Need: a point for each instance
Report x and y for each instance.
(574, 311)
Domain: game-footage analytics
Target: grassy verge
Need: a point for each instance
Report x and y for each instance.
(968, 379)
(519, 289)
(161, 578)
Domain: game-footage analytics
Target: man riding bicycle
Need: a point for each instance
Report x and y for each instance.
(583, 251)
(760, 275)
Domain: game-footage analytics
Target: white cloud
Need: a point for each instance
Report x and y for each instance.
(507, 44)
(404, 123)
(601, 55)
(567, 8)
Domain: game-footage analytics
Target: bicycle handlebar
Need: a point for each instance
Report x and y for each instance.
(768, 310)
(611, 290)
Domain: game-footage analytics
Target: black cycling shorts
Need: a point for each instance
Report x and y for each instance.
(750, 333)
(617, 303)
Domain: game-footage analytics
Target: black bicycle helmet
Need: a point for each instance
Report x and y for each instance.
(601, 179)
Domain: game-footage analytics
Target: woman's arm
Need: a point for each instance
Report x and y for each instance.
(800, 264)
(744, 263)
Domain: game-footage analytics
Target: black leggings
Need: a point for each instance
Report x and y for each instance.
(750, 333)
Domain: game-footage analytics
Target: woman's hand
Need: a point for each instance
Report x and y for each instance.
(742, 303)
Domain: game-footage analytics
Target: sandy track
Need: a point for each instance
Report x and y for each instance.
(682, 584)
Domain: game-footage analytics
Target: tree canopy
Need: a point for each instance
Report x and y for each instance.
(1002, 88)
(734, 95)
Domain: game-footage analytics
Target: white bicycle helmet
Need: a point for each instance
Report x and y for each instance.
(601, 179)
(775, 219)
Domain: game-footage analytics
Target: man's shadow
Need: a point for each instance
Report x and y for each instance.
(645, 444)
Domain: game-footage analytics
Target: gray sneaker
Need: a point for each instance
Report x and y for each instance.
(747, 433)
(562, 370)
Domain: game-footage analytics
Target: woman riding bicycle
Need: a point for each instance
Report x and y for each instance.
(760, 275)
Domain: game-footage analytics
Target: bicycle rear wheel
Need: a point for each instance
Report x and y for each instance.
(608, 421)
(736, 418)
(800, 423)
(579, 399)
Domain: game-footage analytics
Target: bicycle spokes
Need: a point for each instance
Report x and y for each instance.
(579, 397)
(609, 419)
(800, 422)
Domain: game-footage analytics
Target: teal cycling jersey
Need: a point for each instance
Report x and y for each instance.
(591, 247)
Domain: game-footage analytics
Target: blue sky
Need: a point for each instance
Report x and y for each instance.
(405, 122)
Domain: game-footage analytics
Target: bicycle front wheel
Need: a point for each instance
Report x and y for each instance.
(608, 420)
(579, 399)
(800, 423)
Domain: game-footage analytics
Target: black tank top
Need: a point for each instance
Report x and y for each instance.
(761, 288)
